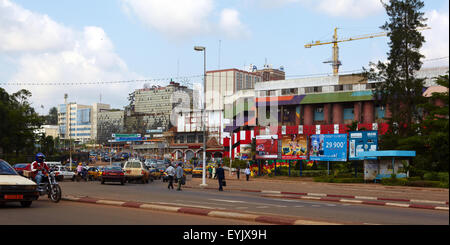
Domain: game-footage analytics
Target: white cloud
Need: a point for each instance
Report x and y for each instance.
(335, 8)
(42, 50)
(232, 26)
(176, 18)
(181, 19)
(437, 38)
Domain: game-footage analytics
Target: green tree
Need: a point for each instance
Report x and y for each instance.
(20, 120)
(398, 88)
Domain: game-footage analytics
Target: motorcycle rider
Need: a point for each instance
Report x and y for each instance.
(39, 168)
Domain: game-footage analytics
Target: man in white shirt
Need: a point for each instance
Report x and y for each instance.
(170, 172)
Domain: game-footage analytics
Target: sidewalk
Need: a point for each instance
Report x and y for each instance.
(305, 186)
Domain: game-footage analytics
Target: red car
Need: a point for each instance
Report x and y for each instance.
(19, 167)
(113, 174)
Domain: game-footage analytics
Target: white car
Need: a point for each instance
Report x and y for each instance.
(62, 173)
(16, 188)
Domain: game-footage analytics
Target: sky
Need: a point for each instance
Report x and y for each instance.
(90, 45)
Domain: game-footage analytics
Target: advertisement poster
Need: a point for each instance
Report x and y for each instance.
(266, 147)
(360, 141)
(328, 147)
(294, 147)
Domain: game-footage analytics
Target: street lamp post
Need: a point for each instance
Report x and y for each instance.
(200, 48)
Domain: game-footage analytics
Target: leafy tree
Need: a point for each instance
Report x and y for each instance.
(20, 119)
(399, 89)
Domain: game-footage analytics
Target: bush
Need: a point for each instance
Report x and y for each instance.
(331, 179)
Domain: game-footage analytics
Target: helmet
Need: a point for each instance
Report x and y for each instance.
(40, 157)
(79, 163)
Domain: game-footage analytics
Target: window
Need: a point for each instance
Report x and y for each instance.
(289, 91)
(191, 138)
(338, 87)
(349, 114)
(318, 114)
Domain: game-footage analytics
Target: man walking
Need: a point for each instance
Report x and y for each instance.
(247, 172)
(179, 174)
(220, 173)
(238, 171)
(171, 173)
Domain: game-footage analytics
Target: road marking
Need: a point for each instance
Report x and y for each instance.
(397, 204)
(441, 208)
(351, 201)
(364, 197)
(262, 207)
(426, 201)
(317, 194)
(222, 200)
(207, 203)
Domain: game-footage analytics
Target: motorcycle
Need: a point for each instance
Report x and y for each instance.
(50, 187)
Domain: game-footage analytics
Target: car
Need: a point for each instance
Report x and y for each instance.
(93, 173)
(197, 172)
(187, 168)
(155, 173)
(136, 170)
(19, 167)
(113, 174)
(16, 188)
(63, 173)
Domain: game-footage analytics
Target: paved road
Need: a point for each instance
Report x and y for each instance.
(157, 192)
(44, 212)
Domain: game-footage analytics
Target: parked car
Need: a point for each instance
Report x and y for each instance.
(19, 167)
(197, 172)
(16, 188)
(63, 173)
(113, 174)
(136, 170)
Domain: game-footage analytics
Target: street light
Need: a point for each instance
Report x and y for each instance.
(201, 48)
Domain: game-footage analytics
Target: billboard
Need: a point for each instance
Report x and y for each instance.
(360, 141)
(266, 147)
(294, 147)
(328, 147)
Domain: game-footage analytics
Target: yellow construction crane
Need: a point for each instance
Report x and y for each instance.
(336, 62)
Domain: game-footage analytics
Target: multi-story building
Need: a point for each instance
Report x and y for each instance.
(79, 122)
(108, 123)
(314, 105)
(219, 84)
(156, 107)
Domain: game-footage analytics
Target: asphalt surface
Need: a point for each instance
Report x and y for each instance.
(233, 200)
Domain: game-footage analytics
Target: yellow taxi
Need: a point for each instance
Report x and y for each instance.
(197, 172)
(187, 168)
(94, 173)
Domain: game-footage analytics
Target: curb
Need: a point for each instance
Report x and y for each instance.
(276, 220)
(326, 198)
(337, 196)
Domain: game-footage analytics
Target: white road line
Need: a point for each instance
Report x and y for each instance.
(363, 197)
(222, 200)
(397, 204)
(426, 201)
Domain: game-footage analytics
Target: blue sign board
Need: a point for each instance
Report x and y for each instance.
(124, 139)
(361, 141)
(328, 147)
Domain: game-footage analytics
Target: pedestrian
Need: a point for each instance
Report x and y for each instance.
(179, 175)
(170, 173)
(214, 172)
(247, 172)
(238, 171)
(210, 171)
(220, 176)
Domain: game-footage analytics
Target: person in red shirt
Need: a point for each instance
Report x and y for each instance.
(39, 168)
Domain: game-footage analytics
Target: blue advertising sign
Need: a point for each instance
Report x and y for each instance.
(328, 147)
(361, 141)
(123, 139)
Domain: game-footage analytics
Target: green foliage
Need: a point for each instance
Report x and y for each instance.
(19, 121)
